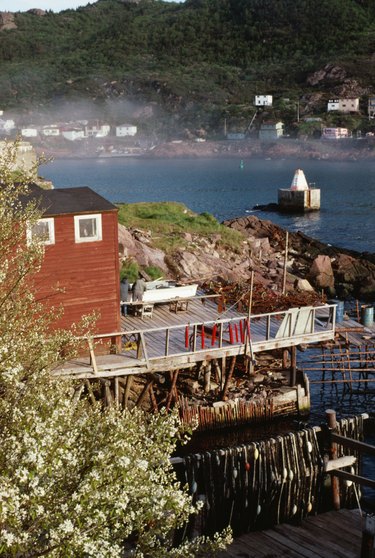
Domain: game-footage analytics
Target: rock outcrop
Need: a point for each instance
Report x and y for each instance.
(330, 73)
(135, 245)
(344, 273)
(7, 21)
(310, 264)
(321, 274)
(36, 11)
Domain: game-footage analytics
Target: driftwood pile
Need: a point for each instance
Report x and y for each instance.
(263, 300)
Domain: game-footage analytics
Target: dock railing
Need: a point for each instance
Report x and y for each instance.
(335, 465)
(265, 331)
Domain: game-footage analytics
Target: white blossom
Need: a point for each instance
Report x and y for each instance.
(75, 479)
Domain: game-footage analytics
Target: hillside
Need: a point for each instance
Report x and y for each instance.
(189, 66)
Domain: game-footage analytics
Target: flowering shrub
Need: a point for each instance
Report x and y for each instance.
(76, 480)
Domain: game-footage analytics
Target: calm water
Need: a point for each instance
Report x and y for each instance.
(220, 187)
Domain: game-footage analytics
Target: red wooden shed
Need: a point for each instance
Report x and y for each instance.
(80, 269)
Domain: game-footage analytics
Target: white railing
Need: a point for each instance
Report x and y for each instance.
(303, 324)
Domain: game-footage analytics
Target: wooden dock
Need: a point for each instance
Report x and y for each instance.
(168, 340)
(336, 534)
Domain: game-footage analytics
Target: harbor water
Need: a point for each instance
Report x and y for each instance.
(227, 190)
(221, 187)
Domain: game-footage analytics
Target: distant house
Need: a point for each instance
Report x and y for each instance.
(73, 134)
(126, 130)
(271, 131)
(263, 100)
(335, 133)
(6, 125)
(343, 105)
(97, 130)
(80, 269)
(235, 136)
(371, 107)
(30, 132)
(52, 130)
(26, 158)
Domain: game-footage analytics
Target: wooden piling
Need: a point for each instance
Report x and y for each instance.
(285, 262)
(144, 392)
(127, 390)
(228, 378)
(293, 366)
(207, 378)
(285, 359)
(368, 532)
(332, 425)
(172, 390)
(154, 403)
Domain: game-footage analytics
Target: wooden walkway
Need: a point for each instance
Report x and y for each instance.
(335, 534)
(170, 340)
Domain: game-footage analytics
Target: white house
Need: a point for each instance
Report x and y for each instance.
(52, 130)
(333, 104)
(263, 101)
(73, 134)
(343, 105)
(97, 130)
(125, 130)
(335, 133)
(7, 126)
(30, 132)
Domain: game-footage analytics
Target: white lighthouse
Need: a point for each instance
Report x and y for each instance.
(300, 196)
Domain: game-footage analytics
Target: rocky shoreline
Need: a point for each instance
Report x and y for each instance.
(330, 150)
(311, 265)
(336, 150)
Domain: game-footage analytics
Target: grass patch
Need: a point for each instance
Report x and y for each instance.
(169, 222)
(129, 269)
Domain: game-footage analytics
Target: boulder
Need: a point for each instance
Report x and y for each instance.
(303, 285)
(130, 247)
(321, 273)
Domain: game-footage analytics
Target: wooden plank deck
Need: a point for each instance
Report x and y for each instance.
(357, 334)
(172, 340)
(335, 534)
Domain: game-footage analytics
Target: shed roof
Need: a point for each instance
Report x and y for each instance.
(62, 201)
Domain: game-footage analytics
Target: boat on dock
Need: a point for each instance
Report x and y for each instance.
(165, 291)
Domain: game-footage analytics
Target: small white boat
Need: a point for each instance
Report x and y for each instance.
(164, 291)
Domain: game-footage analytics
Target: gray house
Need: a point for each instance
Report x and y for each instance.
(270, 131)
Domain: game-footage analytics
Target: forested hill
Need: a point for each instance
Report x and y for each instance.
(207, 57)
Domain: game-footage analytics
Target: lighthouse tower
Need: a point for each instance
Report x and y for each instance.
(299, 197)
(299, 181)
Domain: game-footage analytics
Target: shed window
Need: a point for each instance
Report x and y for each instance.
(87, 228)
(43, 231)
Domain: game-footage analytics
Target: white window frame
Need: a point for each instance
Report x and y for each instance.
(51, 230)
(97, 237)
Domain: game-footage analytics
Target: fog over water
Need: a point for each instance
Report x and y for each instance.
(221, 187)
